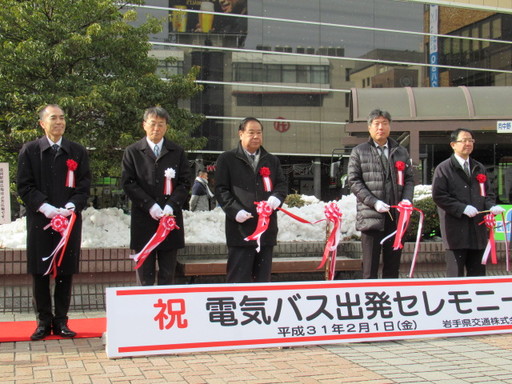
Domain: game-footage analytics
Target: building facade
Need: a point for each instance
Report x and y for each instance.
(294, 65)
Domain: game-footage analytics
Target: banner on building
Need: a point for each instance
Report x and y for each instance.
(504, 126)
(5, 196)
(189, 318)
(208, 17)
(433, 47)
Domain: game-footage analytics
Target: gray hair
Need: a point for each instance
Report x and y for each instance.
(42, 110)
(157, 111)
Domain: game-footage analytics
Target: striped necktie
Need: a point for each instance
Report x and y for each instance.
(156, 149)
(466, 168)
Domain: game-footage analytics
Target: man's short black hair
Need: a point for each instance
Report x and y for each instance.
(455, 134)
(245, 121)
(378, 113)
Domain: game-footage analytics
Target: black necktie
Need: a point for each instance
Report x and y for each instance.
(55, 148)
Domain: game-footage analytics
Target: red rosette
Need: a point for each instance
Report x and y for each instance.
(59, 223)
(70, 177)
(267, 183)
(265, 171)
(481, 178)
(400, 167)
(72, 165)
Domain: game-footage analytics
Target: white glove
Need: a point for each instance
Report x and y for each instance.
(496, 210)
(168, 210)
(470, 211)
(66, 211)
(381, 206)
(48, 210)
(273, 202)
(242, 216)
(156, 212)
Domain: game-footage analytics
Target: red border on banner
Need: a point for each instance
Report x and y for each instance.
(281, 287)
(298, 340)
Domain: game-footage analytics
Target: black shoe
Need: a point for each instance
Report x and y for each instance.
(41, 332)
(62, 330)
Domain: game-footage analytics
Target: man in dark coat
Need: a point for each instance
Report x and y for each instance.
(42, 185)
(238, 185)
(460, 203)
(201, 194)
(145, 166)
(373, 178)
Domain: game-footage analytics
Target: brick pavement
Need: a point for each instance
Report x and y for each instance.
(469, 359)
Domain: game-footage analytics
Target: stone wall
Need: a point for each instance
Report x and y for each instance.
(108, 267)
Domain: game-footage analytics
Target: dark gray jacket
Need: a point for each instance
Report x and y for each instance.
(366, 177)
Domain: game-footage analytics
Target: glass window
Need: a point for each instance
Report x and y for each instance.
(496, 28)
(273, 73)
(319, 74)
(257, 72)
(486, 33)
(302, 73)
(289, 74)
(475, 46)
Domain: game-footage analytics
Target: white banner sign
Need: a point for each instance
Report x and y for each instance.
(5, 197)
(504, 127)
(186, 318)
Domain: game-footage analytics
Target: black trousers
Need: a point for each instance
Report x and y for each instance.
(167, 260)
(245, 265)
(372, 250)
(459, 261)
(42, 298)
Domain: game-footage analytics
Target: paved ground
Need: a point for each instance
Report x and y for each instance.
(477, 359)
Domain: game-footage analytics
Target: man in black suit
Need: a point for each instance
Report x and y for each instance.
(245, 175)
(146, 164)
(43, 168)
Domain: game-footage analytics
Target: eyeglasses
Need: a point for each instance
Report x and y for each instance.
(472, 141)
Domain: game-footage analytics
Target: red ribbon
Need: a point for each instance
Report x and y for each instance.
(400, 167)
(490, 223)
(168, 187)
(298, 218)
(169, 174)
(165, 226)
(64, 226)
(264, 211)
(405, 209)
(70, 177)
(333, 214)
(267, 183)
(481, 178)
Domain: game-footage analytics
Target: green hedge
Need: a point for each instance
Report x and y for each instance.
(430, 222)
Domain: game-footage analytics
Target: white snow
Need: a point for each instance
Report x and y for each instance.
(110, 227)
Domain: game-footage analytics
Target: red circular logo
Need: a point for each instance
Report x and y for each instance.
(281, 126)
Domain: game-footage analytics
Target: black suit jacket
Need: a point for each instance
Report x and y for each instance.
(41, 179)
(143, 179)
